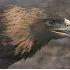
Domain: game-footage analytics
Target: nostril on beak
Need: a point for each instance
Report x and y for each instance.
(67, 22)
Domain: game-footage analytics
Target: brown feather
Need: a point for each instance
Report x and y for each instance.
(18, 21)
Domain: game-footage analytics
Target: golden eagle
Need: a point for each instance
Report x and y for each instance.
(23, 31)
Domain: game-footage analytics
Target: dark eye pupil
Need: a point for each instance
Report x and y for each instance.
(51, 22)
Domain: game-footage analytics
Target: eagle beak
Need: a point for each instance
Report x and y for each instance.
(67, 22)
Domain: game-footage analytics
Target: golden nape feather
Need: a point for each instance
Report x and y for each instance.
(18, 21)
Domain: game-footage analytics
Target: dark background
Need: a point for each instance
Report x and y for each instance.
(57, 53)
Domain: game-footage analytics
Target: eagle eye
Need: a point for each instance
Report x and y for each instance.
(51, 22)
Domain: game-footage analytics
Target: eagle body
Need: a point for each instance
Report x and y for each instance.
(22, 31)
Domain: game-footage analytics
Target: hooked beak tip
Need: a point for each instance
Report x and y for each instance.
(67, 22)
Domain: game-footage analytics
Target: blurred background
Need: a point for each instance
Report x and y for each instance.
(57, 53)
